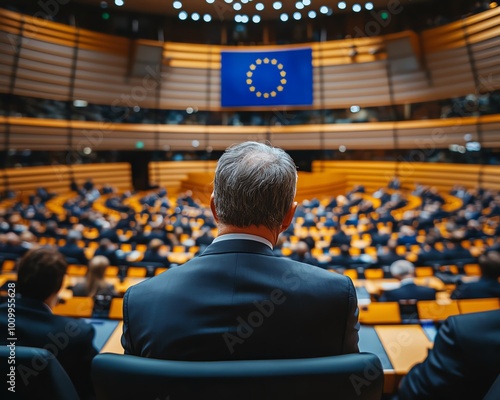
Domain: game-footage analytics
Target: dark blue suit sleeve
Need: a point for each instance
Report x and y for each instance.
(351, 337)
(125, 339)
(441, 374)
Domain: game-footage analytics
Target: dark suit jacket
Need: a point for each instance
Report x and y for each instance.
(239, 301)
(73, 252)
(463, 363)
(484, 288)
(70, 340)
(409, 291)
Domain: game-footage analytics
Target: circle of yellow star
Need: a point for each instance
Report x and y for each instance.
(253, 67)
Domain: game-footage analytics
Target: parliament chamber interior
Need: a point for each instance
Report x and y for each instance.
(113, 115)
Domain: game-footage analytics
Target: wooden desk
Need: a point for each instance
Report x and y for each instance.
(113, 345)
(405, 345)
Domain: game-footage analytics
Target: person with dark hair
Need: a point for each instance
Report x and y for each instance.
(487, 286)
(153, 253)
(302, 254)
(237, 300)
(40, 278)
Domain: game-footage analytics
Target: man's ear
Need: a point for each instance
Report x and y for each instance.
(212, 207)
(289, 217)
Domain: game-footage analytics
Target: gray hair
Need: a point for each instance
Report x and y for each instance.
(254, 184)
(402, 268)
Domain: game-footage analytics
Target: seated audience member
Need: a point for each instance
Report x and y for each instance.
(153, 254)
(40, 277)
(109, 250)
(405, 272)
(463, 362)
(71, 251)
(303, 255)
(487, 286)
(429, 255)
(95, 282)
(390, 256)
(200, 310)
(344, 259)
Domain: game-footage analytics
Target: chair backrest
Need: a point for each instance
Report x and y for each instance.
(38, 374)
(351, 376)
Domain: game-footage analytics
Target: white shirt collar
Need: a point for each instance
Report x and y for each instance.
(246, 236)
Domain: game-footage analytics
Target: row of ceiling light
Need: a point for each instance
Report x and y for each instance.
(302, 7)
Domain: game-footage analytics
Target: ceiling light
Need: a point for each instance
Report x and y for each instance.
(195, 16)
(297, 15)
(244, 19)
(299, 5)
(237, 6)
(355, 109)
(312, 14)
(342, 5)
(306, 2)
(177, 5)
(323, 10)
(356, 8)
(256, 19)
(369, 6)
(284, 17)
(207, 18)
(237, 18)
(277, 5)
(228, 1)
(259, 6)
(183, 15)
(119, 3)
(210, 1)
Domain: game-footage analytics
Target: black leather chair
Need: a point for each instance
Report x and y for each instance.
(38, 375)
(352, 376)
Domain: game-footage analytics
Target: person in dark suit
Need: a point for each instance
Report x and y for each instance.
(390, 255)
(463, 362)
(487, 286)
(405, 272)
(153, 254)
(237, 300)
(39, 281)
(303, 255)
(429, 255)
(71, 251)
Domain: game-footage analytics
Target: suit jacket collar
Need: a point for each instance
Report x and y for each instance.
(238, 246)
(33, 304)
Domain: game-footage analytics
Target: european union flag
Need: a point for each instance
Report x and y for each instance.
(266, 78)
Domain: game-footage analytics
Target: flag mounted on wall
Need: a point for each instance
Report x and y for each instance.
(266, 78)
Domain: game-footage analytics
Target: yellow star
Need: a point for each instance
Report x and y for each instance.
(266, 95)
(273, 94)
(258, 61)
(274, 61)
(252, 66)
(280, 66)
(252, 88)
(283, 81)
(249, 74)
(280, 88)
(258, 94)
(283, 73)
(249, 81)
(266, 60)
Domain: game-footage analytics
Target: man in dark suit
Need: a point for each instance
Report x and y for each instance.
(153, 254)
(39, 281)
(487, 286)
(463, 363)
(71, 251)
(237, 300)
(405, 272)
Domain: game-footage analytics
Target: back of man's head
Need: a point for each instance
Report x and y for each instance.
(254, 184)
(402, 269)
(490, 264)
(41, 273)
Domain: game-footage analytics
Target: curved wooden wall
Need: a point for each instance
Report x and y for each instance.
(377, 174)
(190, 73)
(423, 136)
(57, 178)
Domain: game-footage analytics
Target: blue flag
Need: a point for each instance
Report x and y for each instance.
(266, 78)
